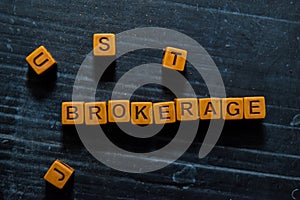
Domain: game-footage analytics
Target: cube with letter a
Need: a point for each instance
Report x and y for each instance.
(210, 108)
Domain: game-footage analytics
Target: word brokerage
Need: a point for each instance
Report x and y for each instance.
(182, 109)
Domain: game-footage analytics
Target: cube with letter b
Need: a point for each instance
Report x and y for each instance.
(72, 113)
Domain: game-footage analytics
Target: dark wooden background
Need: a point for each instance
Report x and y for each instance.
(256, 46)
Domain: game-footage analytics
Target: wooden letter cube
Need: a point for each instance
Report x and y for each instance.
(141, 113)
(118, 111)
(186, 109)
(164, 112)
(254, 107)
(104, 44)
(58, 174)
(232, 108)
(174, 58)
(40, 60)
(72, 113)
(210, 108)
(95, 113)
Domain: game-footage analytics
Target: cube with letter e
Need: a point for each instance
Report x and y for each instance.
(254, 107)
(164, 112)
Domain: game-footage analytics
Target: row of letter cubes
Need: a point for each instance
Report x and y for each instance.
(182, 109)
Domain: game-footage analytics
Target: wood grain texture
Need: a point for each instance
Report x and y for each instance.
(256, 46)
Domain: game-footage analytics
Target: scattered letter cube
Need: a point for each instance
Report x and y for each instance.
(40, 60)
(58, 174)
(174, 58)
(104, 44)
(254, 108)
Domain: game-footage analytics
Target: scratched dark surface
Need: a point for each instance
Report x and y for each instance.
(256, 46)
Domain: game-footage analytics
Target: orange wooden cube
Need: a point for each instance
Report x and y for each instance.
(210, 108)
(164, 112)
(232, 108)
(95, 113)
(58, 174)
(40, 60)
(174, 58)
(254, 107)
(141, 113)
(104, 44)
(118, 111)
(186, 109)
(72, 113)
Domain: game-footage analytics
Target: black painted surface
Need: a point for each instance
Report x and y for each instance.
(255, 46)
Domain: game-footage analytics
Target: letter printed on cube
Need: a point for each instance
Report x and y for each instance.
(141, 113)
(186, 109)
(72, 113)
(232, 108)
(210, 108)
(95, 113)
(174, 58)
(40, 60)
(104, 44)
(254, 107)
(164, 112)
(58, 174)
(118, 111)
